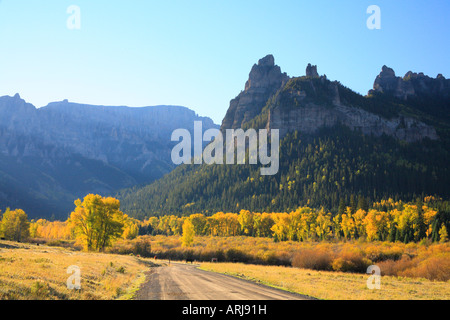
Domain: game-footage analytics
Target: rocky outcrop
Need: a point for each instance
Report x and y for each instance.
(311, 102)
(319, 105)
(311, 71)
(265, 79)
(411, 85)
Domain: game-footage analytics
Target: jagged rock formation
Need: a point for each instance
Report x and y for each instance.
(309, 103)
(66, 150)
(311, 115)
(265, 79)
(411, 85)
(311, 71)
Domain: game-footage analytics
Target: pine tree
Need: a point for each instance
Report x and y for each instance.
(352, 203)
(421, 228)
(435, 232)
(392, 233)
(362, 203)
(341, 209)
(397, 235)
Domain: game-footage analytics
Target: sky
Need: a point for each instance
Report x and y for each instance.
(198, 53)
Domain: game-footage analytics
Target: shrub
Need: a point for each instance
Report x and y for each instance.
(394, 268)
(142, 247)
(206, 255)
(63, 244)
(319, 259)
(378, 253)
(433, 268)
(40, 290)
(121, 269)
(274, 259)
(351, 261)
(236, 255)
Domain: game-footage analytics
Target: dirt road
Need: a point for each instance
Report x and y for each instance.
(186, 282)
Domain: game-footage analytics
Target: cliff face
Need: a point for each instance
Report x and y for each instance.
(66, 150)
(311, 117)
(265, 79)
(313, 111)
(114, 135)
(311, 102)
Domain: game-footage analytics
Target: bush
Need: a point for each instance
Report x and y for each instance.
(351, 261)
(40, 290)
(206, 255)
(142, 247)
(394, 268)
(121, 269)
(236, 255)
(433, 268)
(319, 259)
(378, 253)
(63, 244)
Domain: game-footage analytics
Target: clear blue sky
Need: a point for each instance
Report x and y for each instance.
(198, 53)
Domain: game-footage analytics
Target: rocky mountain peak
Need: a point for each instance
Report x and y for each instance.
(311, 71)
(386, 81)
(267, 61)
(264, 80)
(265, 74)
(387, 72)
(411, 85)
(14, 107)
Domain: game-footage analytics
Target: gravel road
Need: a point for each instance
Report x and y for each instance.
(185, 282)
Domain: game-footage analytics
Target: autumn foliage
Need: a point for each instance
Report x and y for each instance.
(14, 225)
(385, 221)
(95, 224)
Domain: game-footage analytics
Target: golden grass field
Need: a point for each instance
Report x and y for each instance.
(335, 285)
(40, 272)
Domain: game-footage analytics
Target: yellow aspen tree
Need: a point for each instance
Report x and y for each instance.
(443, 234)
(188, 233)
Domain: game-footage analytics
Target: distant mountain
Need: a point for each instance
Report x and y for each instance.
(52, 155)
(393, 142)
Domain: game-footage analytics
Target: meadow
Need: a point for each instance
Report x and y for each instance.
(317, 269)
(31, 272)
(335, 285)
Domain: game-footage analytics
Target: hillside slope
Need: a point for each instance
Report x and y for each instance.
(335, 144)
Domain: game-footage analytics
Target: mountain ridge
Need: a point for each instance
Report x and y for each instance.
(334, 105)
(73, 149)
(335, 143)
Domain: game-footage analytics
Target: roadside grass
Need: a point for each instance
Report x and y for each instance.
(334, 285)
(30, 272)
